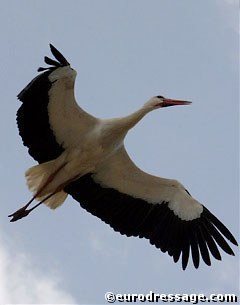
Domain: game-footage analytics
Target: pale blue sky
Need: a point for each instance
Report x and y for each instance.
(124, 53)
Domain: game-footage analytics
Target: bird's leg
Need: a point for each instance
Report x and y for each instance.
(23, 212)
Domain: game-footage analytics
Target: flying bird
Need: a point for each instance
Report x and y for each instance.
(84, 156)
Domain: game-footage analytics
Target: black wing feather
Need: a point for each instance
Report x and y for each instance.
(220, 226)
(218, 238)
(211, 243)
(185, 249)
(59, 56)
(203, 247)
(61, 60)
(32, 116)
(52, 62)
(33, 121)
(156, 222)
(194, 245)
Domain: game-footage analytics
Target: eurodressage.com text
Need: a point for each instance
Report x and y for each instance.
(111, 297)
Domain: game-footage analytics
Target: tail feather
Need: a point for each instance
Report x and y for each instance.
(50, 177)
(37, 177)
(55, 200)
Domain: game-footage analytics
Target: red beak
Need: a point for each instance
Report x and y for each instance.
(169, 102)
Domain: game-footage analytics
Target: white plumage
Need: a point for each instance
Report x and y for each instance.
(85, 157)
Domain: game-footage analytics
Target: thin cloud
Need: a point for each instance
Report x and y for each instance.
(232, 2)
(228, 271)
(228, 8)
(21, 282)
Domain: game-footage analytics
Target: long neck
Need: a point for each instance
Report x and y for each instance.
(131, 120)
(117, 128)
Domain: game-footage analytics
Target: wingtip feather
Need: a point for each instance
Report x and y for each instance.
(59, 56)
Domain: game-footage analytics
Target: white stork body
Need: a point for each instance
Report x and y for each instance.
(85, 157)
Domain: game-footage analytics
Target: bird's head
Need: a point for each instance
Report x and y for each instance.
(161, 101)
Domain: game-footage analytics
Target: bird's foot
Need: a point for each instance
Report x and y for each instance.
(23, 212)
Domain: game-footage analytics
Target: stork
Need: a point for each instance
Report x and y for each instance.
(85, 157)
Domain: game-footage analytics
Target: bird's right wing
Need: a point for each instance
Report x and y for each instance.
(135, 203)
(49, 119)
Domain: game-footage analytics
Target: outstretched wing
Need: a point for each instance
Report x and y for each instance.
(138, 204)
(48, 112)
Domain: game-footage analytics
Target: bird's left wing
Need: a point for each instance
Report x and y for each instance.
(135, 203)
(49, 119)
(32, 116)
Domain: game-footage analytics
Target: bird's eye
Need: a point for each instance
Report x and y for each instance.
(159, 96)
